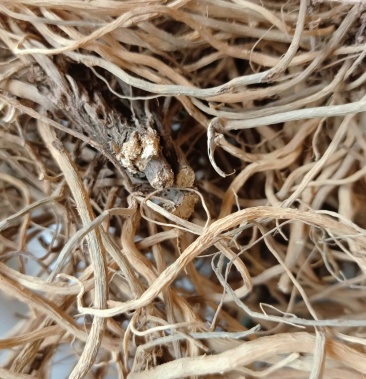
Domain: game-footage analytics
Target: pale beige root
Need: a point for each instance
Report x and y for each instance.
(95, 247)
(182, 188)
(259, 350)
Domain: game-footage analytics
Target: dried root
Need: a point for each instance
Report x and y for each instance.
(182, 188)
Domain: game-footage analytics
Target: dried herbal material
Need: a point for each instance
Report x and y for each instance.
(182, 189)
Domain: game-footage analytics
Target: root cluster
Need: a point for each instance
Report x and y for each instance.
(182, 188)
